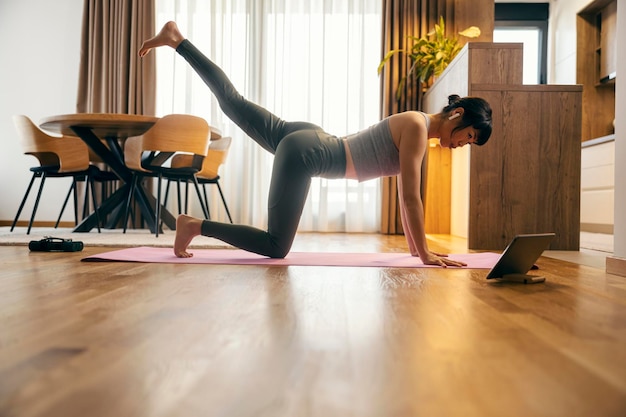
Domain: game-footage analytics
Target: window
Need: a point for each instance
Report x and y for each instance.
(525, 23)
(310, 60)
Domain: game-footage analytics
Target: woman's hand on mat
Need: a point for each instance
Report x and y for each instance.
(441, 259)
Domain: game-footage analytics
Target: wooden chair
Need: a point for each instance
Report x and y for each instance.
(209, 174)
(59, 157)
(146, 155)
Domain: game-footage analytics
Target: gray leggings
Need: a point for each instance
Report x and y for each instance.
(301, 151)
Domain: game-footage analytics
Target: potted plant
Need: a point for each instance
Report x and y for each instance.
(430, 54)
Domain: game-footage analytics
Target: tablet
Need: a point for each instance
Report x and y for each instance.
(519, 257)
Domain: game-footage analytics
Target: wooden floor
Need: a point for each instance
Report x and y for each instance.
(111, 339)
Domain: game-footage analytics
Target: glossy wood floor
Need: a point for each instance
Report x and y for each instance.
(111, 339)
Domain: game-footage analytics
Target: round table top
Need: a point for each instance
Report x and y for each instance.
(106, 125)
(102, 124)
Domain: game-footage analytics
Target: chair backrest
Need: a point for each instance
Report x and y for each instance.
(69, 153)
(215, 157)
(178, 133)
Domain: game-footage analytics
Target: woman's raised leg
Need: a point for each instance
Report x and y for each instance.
(258, 123)
(262, 126)
(290, 178)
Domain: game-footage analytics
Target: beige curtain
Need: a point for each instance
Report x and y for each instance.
(402, 18)
(112, 78)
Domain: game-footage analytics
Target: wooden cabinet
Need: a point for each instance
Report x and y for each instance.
(596, 61)
(526, 179)
(478, 62)
(608, 42)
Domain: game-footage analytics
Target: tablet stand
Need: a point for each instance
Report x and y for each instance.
(525, 278)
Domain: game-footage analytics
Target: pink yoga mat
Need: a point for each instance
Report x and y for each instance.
(485, 260)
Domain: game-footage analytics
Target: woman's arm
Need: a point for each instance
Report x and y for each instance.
(413, 140)
(405, 226)
(410, 200)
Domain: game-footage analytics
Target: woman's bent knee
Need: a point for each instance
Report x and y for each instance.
(277, 252)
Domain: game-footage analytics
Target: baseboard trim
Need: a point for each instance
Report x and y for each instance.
(616, 266)
(597, 228)
(43, 223)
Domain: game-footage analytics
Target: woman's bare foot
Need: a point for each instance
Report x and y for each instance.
(169, 35)
(187, 228)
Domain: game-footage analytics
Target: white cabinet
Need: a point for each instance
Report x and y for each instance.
(597, 194)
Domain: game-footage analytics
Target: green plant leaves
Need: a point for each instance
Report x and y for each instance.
(430, 54)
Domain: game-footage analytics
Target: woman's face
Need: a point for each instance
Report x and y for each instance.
(458, 138)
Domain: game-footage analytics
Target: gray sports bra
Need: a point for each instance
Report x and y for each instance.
(373, 152)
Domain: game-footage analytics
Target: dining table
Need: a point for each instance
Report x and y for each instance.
(105, 134)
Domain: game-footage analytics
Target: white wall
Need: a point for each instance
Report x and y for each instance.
(40, 47)
(562, 40)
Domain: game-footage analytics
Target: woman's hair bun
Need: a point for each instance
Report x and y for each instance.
(453, 98)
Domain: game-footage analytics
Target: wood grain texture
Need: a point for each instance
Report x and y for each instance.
(598, 100)
(478, 62)
(68, 153)
(190, 340)
(608, 39)
(495, 63)
(479, 13)
(437, 205)
(102, 124)
(527, 180)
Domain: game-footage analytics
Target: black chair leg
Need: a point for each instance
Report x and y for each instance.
(67, 198)
(90, 184)
(178, 195)
(76, 202)
(133, 185)
(19, 210)
(186, 197)
(157, 211)
(205, 206)
(32, 216)
(206, 201)
(167, 192)
(180, 207)
(223, 201)
(86, 198)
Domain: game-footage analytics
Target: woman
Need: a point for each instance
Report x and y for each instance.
(396, 145)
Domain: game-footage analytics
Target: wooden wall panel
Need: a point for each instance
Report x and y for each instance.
(478, 62)
(608, 39)
(438, 189)
(495, 63)
(527, 178)
(479, 13)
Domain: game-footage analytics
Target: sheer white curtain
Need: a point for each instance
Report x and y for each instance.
(310, 60)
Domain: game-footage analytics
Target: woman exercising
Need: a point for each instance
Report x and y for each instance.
(395, 146)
